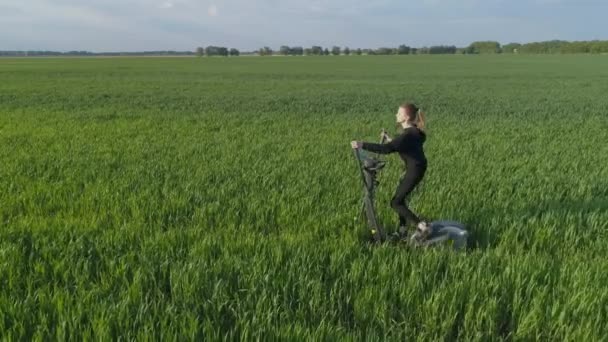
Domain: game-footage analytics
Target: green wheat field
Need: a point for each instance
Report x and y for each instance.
(218, 199)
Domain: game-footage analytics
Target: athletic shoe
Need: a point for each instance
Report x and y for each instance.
(424, 230)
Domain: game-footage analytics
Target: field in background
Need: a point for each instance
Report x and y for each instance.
(218, 198)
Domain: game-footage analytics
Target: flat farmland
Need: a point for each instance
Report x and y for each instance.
(218, 198)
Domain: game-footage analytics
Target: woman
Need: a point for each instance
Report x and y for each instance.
(409, 146)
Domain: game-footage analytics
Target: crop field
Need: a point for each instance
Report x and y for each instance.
(218, 199)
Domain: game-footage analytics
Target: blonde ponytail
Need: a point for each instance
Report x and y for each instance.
(420, 120)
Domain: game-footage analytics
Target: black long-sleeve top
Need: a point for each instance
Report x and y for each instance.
(408, 144)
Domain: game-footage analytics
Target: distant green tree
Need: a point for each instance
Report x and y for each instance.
(216, 51)
(317, 50)
(552, 46)
(403, 50)
(234, 52)
(296, 51)
(384, 51)
(265, 51)
(511, 48)
(200, 51)
(335, 50)
(346, 51)
(484, 47)
(576, 47)
(599, 46)
(442, 49)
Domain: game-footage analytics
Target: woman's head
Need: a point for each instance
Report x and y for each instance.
(409, 114)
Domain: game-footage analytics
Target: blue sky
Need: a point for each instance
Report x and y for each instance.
(135, 25)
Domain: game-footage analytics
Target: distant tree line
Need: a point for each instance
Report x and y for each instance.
(558, 46)
(546, 47)
(87, 53)
(216, 51)
(479, 47)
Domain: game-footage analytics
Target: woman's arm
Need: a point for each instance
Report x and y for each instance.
(379, 148)
(395, 145)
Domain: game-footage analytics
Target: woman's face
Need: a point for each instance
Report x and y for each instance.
(401, 116)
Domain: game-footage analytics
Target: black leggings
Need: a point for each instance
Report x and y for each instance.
(412, 177)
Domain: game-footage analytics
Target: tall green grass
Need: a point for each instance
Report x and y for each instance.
(172, 199)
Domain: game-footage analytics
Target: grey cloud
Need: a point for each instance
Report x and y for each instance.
(250, 24)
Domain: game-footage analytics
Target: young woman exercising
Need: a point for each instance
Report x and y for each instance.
(409, 145)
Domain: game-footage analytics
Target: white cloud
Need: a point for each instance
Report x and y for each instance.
(212, 11)
(111, 25)
(167, 4)
(316, 8)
